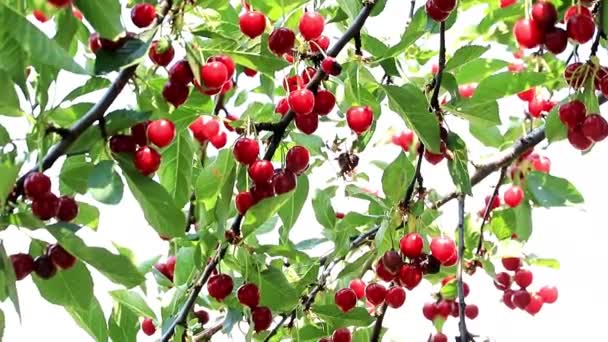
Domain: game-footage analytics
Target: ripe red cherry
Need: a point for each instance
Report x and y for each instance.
(122, 144)
(219, 140)
(411, 245)
(392, 261)
(471, 311)
(434, 12)
(170, 264)
(143, 14)
(502, 281)
(577, 138)
(572, 113)
(324, 102)
(252, 23)
(383, 273)
(308, 74)
(284, 181)
(45, 206)
(556, 40)
(319, 44)
(261, 171)
(175, 93)
(261, 191)
(544, 14)
(282, 107)
(44, 267)
(536, 107)
(444, 308)
(307, 124)
(541, 164)
(440, 337)
(580, 28)
(160, 56)
(297, 159)
(513, 196)
(507, 298)
(214, 74)
(293, 83)
(527, 33)
(429, 310)
(301, 101)
(345, 299)
(36, 184)
(67, 209)
(147, 326)
(511, 264)
(23, 265)
(395, 297)
(248, 294)
(261, 317)
(210, 127)
(311, 25)
(443, 248)
(162, 268)
(445, 5)
(227, 61)
(220, 286)
(330, 66)
(281, 40)
(341, 335)
(59, 3)
(243, 201)
(548, 293)
(536, 303)
(507, 3)
(523, 278)
(451, 261)
(466, 90)
(202, 316)
(40, 16)
(181, 72)
(358, 286)
(94, 42)
(495, 202)
(246, 150)
(359, 118)
(161, 132)
(375, 293)
(576, 10)
(527, 95)
(60, 257)
(147, 160)
(250, 72)
(410, 276)
(595, 127)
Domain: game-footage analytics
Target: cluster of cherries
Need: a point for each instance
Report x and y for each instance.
(206, 128)
(267, 181)
(443, 308)
(145, 157)
(439, 10)
(583, 129)
(45, 204)
(541, 27)
(45, 266)
(522, 298)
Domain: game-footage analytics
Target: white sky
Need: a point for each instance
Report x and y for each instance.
(574, 235)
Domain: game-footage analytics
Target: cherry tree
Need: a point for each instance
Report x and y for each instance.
(237, 105)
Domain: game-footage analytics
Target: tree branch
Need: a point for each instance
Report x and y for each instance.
(417, 178)
(378, 325)
(486, 213)
(206, 334)
(439, 76)
(464, 334)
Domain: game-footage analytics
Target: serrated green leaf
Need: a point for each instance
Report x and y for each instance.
(9, 173)
(123, 324)
(465, 55)
(489, 136)
(74, 174)
(506, 83)
(555, 130)
(262, 211)
(134, 301)
(175, 172)
(104, 183)
(358, 317)
(276, 291)
(356, 267)
(91, 85)
(478, 69)
(324, 212)
(88, 215)
(551, 191)
(91, 320)
(544, 262)
(458, 164)
(290, 211)
(396, 178)
(187, 259)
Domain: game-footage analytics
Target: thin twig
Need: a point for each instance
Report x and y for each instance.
(486, 214)
(378, 325)
(357, 39)
(439, 76)
(417, 178)
(206, 334)
(464, 334)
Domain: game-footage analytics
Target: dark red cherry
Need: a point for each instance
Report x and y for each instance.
(143, 14)
(281, 40)
(67, 209)
(248, 294)
(345, 299)
(23, 265)
(36, 184)
(161, 53)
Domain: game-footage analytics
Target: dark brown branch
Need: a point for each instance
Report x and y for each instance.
(206, 334)
(439, 76)
(357, 39)
(60, 131)
(600, 32)
(464, 334)
(378, 325)
(417, 178)
(488, 209)
(219, 104)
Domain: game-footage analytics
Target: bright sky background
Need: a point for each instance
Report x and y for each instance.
(577, 236)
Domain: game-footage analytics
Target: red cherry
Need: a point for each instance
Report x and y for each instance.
(243, 201)
(576, 10)
(527, 95)
(94, 42)
(572, 113)
(523, 278)
(202, 316)
(147, 326)
(466, 90)
(248, 294)
(511, 264)
(220, 286)
(384, 273)
(502, 281)
(308, 74)
(514, 196)
(451, 261)
(527, 33)
(40, 16)
(429, 310)
(143, 14)
(536, 107)
(219, 140)
(541, 164)
(214, 74)
(293, 83)
(261, 317)
(175, 93)
(161, 57)
(358, 286)
(289, 57)
(59, 3)
(471, 311)
(45, 206)
(544, 14)
(301, 101)
(307, 124)
(261, 191)
(147, 160)
(581, 28)
(330, 66)
(311, 25)
(556, 40)
(445, 5)
(250, 72)
(440, 337)
(341, 335)
(284, 181)
(36, 184)
(603, 85)
(548, 293)
(246, 150)
(282, 107)
(23, 265)
(395, 297)
(410, 276)
(595, 127)
(507, 298)
(122, 144)
(227, 61)
(514, 67)
(392, 261)
(261, 171)
(444, 308)
(507, 3)
(536, 303)
(319, 44)
(577, 138)
(60, 257)
(576, 75)
(252, 23)
(359, 118)
(345, 299)
(495, 202)
(411, 245)
(161, 132)
(281, 40)
(297, 159)
(44, 267)
(181, 72)
(162, 268)
(443, 248)
(375, 293)
(403, 139)
(324, 102)
(434, 12)
(67, 209)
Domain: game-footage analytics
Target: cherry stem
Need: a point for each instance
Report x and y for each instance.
(486, 214)
(378, 325)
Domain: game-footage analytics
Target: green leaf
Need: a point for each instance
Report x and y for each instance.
(516, 220)
(290, 211)
(134, 301)
(409, 102)
(65, 117)
(312, 142)
(91, 85)
(159, 209)
(483, 113)
(465, 55)
(129, 53)
(39, 47)
(92, 320)
(478, 69)
(489, 136)
(262, 211)
(2, 323)
(396, 178)
(105, 185)
(187, 260)
(123, 324)
(551, 191)
(8, 279)
(356, 267)
(5, 138)
(555, 130)
(88, 215)
(104, 16)
(458, 165)
(9, 173)
(9, 101)
(74, 173)
(358, 317)
(544, 262)
(175, 172)
(212, 177)
(351, 7)
(324, 212)
(276, 291)
(118, 268)
(506, 83)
